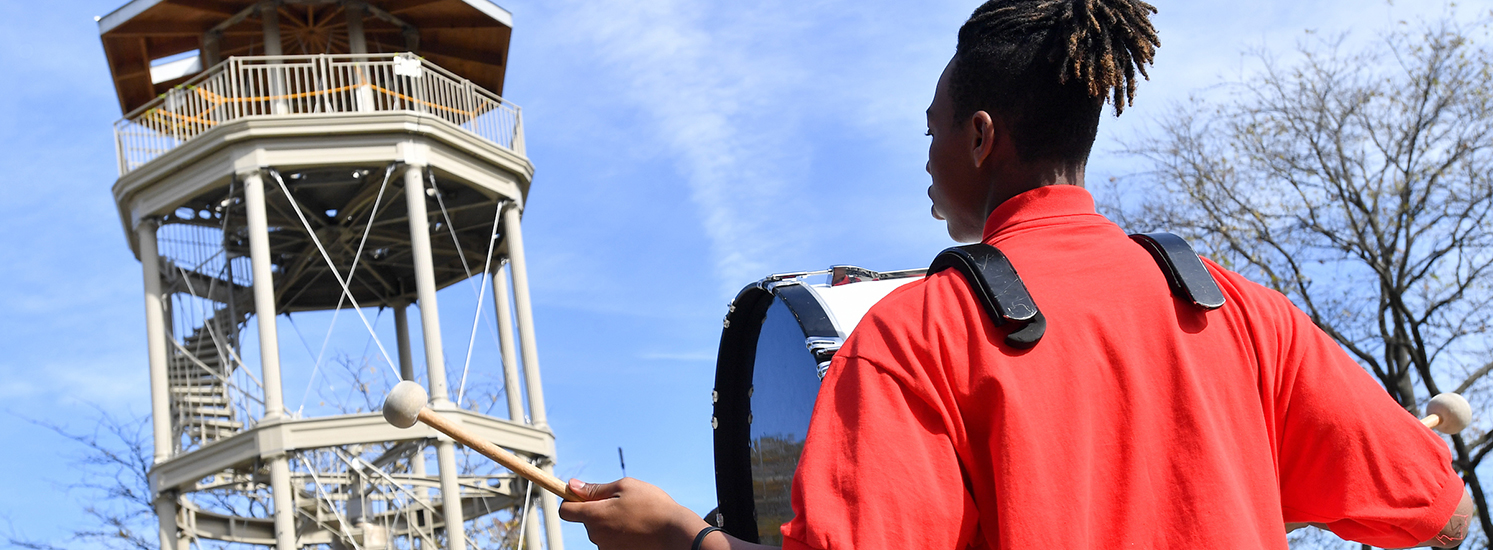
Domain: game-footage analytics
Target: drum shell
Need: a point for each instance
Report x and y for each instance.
(813, 308)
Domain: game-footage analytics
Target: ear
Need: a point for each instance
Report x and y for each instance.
(986, 133)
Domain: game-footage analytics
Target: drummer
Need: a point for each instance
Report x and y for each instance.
(1135, 422)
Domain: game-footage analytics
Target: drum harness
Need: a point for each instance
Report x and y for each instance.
(1006, 300)
(991, 277)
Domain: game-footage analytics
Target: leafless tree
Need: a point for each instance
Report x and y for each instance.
(1358, 181)
(113, 461)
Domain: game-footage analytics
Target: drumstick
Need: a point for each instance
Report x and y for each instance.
(1447, 413)
(406, 405)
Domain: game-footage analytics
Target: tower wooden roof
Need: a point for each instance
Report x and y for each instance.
(467, 37)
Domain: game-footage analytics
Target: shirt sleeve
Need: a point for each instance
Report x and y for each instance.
(1350, 457)
(879, 469)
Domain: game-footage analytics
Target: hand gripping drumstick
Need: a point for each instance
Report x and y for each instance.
(1447, 413)
(406, 405)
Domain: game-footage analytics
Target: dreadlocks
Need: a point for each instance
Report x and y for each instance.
(1046, 68)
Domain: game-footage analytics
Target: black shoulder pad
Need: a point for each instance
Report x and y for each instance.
(999, 289)
(1184, 271)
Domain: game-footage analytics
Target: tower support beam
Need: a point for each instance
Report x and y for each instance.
(357, 42)
(212, 44)
(264, 294)
(435, 361)
(514, 236)
(402, 340)
(269, 351)
(504, 313)
(456, 533)
(269, 18)
(430, 317)
(285, 535)
(155, 334)
(165, 505)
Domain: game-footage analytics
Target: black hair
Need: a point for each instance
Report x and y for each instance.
(1046, 67)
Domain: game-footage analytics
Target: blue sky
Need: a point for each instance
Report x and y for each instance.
(684, 149)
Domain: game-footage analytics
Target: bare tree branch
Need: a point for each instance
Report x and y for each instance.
(1362, 190)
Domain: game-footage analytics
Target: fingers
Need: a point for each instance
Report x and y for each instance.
(590, 510)
(574, 512)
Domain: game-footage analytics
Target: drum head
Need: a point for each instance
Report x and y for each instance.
(779, 336)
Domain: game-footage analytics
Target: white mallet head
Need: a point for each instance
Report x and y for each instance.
(1454, 411)
(402, 407)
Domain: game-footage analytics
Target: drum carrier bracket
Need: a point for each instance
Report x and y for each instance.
(1006, 300)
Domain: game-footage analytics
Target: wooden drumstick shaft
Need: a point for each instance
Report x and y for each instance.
(1431, 420)
(508, 460)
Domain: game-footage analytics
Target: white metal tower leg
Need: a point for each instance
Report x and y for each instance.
(285, 536)
(166, 516)
(504, 314)
(407, 372)
(513, 234)
(264, 294)
(155, 334)
(269, 352)
(435, 362)
(551, 505)
(430, 319)
(357, 43)
(212, 42)
(515, 238)
(531, 531)
(269, 16)
(402, 336)
(456, 533)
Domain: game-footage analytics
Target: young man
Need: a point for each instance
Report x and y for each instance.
(1137, 420)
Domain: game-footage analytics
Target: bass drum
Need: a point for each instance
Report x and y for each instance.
(779, 337)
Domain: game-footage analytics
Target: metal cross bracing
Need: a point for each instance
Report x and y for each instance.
(359, 497)
(333, 234)
(337, 203)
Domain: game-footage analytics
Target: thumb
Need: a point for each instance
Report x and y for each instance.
(595, 491)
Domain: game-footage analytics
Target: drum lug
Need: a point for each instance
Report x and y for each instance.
(824, 349)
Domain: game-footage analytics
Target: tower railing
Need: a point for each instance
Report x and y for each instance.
(305, 85)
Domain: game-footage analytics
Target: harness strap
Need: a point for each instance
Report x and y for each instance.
(1184, 270)
(1006, 299)
(999, 289)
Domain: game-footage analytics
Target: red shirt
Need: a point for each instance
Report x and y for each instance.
(1137, 421)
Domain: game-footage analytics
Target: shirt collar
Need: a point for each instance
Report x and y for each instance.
(1050, 201)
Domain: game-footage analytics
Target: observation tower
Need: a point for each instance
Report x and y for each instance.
(337, 156)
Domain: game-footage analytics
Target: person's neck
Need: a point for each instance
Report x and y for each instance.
(1026, 177)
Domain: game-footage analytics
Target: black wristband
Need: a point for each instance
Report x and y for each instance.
(700, 538)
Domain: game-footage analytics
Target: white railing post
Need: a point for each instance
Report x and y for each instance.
(518, 131)
(119, 147)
